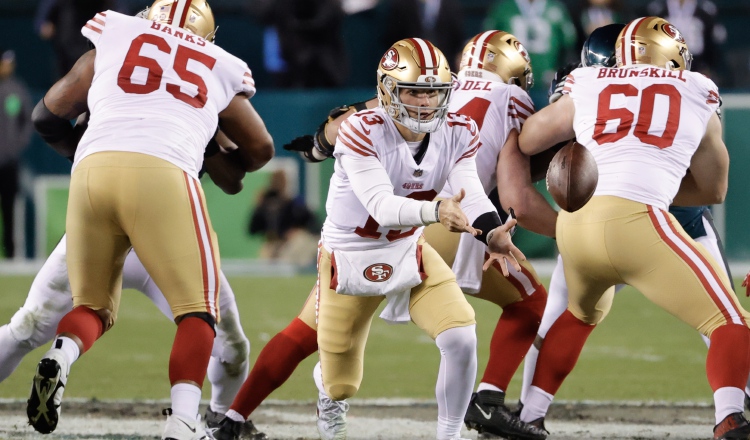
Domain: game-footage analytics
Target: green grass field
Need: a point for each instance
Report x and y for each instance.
(638, 353)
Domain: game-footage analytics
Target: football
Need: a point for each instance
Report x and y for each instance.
(572, 176)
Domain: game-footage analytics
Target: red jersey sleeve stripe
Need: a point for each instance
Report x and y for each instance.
(347, 142)
(472, 151)
(93, 27)
(529, 108)
(353, 143)
(358, 133)
(99, 20)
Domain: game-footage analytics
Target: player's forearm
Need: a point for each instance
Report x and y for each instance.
(226, 170)
(534, 213)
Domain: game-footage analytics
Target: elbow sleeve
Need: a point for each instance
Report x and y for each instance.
(50, 127)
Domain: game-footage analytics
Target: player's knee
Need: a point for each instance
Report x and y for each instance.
(341, 391)
(34, 327)
(458, 341)
(205, 316)
(234, 356)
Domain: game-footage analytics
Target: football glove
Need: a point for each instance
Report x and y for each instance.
(555, 91)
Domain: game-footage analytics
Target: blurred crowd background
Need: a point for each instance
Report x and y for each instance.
(309, 55)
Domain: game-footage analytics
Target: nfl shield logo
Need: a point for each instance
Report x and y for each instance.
(418, 173)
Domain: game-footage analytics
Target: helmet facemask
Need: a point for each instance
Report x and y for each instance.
(399, 111)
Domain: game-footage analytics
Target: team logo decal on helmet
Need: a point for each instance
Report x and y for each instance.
(522, 50)
(378, 272)
(673, 32)
(390, 59)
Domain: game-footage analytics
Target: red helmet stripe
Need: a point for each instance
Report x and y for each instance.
(185, 11)
(627, 43)
(427, 56)
(482, 42)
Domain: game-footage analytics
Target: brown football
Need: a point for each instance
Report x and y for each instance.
(572, 176)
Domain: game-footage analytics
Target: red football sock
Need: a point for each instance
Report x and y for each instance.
(84, 323)
(728, 360)
(276, 362)
(514, 334)
(560, 351)
(191, 351)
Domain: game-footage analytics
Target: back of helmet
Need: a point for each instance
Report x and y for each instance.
(192, 15)
(654, 41)
(497, 56)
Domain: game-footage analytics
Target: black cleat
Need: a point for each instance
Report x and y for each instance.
(228, 429)
(43, 406)
(487, 413)
(734, 427)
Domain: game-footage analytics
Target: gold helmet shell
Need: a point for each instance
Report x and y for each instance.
(654, 41)
(192, 15)
(497, 56)
(414, 63)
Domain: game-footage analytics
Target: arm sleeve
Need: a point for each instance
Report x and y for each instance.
(520, 107)
(464, 175)
(373, 188)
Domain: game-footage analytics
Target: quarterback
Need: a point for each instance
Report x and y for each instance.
(491, 88)
(656, 139)
(156, 89)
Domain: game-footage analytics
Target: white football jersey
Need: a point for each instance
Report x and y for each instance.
(157, 90)
(373, 134)
(642, 124)
(497, 108)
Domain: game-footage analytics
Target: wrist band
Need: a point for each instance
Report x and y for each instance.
(437, 211)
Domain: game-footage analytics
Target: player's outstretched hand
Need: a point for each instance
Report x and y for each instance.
(746, 284)
(502, 250)
(302, 143)
(452, 217)
(558, 82)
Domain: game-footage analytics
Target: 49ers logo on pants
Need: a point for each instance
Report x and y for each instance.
(378, 272)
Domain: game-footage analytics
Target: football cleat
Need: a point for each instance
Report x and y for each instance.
(487, 413)
(734, 427)
(238, 430)
(43, 406)
(331, 418)
(180, 428)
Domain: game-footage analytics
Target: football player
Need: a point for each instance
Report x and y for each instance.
(155, 97)
(50, 298)
(392, 162)
(599, 50)
(625, 234)
(495, 74)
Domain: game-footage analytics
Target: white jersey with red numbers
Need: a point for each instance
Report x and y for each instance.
(497, 108)
(642, 124)
(164, 80)
(369, 140)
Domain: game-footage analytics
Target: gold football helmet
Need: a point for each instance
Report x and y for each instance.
(414, 63)
(655, 41)
(497, 56)
(192, 15)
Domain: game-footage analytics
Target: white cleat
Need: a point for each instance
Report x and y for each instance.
(43, 406)
(331, 418)
(180, 428)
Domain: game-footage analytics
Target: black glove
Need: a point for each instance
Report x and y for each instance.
(555, 91)
(304, 144)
